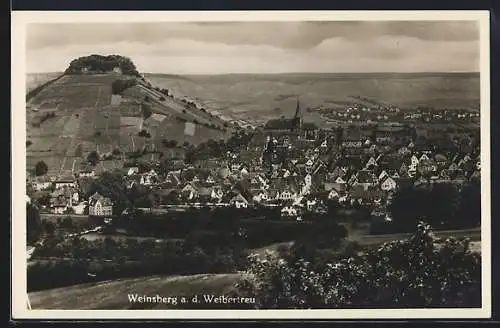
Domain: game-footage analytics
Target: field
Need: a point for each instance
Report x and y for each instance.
(96, 296)
(258, 97)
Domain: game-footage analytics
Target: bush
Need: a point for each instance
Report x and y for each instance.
(162, 98)
(118, 86)
(387, 277)
(144, 133)
(93, 158)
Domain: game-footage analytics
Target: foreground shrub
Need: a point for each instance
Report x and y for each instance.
(418, 272)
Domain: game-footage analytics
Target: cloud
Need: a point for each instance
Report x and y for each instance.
(280, 34)
(216, 48)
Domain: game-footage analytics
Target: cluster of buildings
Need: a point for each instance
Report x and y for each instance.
(65, 196)
(295, 166)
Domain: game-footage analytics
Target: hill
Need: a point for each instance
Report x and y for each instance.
(96, 296)
(37, 79)
(257, 96)
(74, 114)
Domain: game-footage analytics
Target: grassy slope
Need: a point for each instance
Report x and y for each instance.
(113, 294)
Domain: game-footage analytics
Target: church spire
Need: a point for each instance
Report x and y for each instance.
(298, 115)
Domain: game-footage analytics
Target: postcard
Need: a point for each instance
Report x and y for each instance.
(251, 165)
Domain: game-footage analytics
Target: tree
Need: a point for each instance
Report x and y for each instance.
(146, 111)
(411, 273)
(93, 158)
(470, 205)
(34, 226)
(41, 168)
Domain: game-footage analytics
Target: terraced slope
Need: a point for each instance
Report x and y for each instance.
(77, 114)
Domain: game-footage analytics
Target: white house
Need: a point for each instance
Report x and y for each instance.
(388, 184)
(149, 178)
(216, 193)
(239, 201)
(371, 162)
(260, 196)
(132, 171)
(382, 175)
(289, 211)
(100, 205)
(80, 208)
(424, 157)
(414, 161)
(42, 183)
(334, 194)
(65, 182)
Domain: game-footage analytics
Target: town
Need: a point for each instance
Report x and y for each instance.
(289, 164)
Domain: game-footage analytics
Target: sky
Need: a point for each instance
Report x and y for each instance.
(262, 47)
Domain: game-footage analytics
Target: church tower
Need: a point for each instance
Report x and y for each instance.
(297, 119)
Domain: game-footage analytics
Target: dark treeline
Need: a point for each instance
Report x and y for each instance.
(443, 206)
(99, 63)
(112, 259)
(118, 86)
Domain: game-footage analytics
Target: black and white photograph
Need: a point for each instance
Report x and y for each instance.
(235, 162)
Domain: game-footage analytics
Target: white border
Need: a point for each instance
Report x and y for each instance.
(19, 298)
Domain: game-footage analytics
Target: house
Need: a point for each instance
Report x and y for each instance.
(87, 173)
(289, 212)
(365, 179)
(59, 205)
(335, 194)
(149, 178)
(414, 161)
(383, 175)
(424, 157)
(132, 171)
(441, 160)
(210, 179)
(260, 195)
(216, 193)
(403, 151)
(189, 192)
(368, 197)
(388, 184)
(65, 182)
(238, 201)
(42, 183)
(354, 139)
(100, 205)
(80, 208)
(204, 194)
(371, 163)
(173, 178)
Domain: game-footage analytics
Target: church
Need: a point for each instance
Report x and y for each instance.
(294, 126)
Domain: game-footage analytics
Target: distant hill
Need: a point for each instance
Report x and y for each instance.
(72, 114)
(255, 96)
(34, 80)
